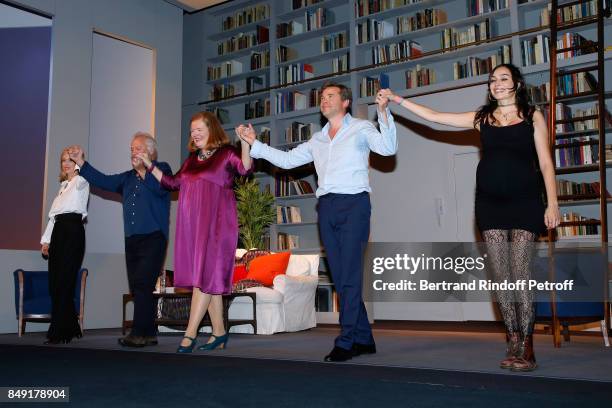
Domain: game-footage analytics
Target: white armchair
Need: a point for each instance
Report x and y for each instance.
(286, 307)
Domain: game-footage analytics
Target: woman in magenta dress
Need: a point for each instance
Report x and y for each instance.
(206, 224)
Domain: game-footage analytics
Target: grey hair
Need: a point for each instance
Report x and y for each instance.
(150, 142)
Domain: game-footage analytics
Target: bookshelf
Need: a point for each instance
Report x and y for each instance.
(483, 36)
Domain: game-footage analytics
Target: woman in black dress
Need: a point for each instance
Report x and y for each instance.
(510, 212)
(64, 243)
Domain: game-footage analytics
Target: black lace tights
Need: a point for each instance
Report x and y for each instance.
(509, 254)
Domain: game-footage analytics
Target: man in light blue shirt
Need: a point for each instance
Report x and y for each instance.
(340, 154)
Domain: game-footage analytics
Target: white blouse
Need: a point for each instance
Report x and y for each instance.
(72, 198)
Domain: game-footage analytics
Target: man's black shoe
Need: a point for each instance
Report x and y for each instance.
(338, 354)
(359, 349)
(132, 341)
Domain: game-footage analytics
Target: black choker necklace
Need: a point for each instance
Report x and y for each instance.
(205, 154)
(506, 104)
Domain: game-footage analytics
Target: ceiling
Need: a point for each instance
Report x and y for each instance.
(195, 5)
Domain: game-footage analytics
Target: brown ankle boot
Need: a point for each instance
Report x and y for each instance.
(512, 350)
(526, 360)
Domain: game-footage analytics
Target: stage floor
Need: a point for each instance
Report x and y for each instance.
(583, 358)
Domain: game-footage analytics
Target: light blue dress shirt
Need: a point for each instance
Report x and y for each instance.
(342, 162)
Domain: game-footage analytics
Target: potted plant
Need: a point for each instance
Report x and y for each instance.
(255, 212)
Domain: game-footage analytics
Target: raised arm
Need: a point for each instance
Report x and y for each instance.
(237, 162)
(540, 135)
(106, 182)
(162, 173)
(286, 160)
(458, 120)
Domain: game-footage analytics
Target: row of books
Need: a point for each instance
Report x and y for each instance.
(288, 214)
(576, 155)
(370, 85)
(570, 40)
(334, 41)
(569, 13)
(340, 63)
(243, 41)
(257, 109)
(295, 72)
(567, 187)
(537, 49)
(576, 230)
(299, 132)
(288, 29)
(419, 76)
(224, 70)
(397, 51)
(264, 135)
(254, 84)
(296, 100)
(476, 7)
(220, 91)
(565, 112)
(285, 185)
(284, 53)
(571, 84)
(318, 18)
(452, 37)
(287, 241)
(366, 7)
(260, 59)
(298, 4)
(422, 19)
(373, 30)
(245, 16)
(476, 66)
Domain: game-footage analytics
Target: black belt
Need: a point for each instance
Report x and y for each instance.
(70, 217)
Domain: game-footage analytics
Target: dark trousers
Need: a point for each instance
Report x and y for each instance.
(344, 225)
(66, 251)
(144, 258)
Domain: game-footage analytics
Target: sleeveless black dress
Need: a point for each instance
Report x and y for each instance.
(509, 185)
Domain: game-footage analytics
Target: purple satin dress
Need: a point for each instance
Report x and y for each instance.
(207, 221)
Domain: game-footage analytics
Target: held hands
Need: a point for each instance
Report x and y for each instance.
(552, 218)
(382, 100)
(76, 155)
(246, 134)
(390, 96)
(145, 159)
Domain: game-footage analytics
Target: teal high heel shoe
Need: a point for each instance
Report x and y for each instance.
(187, 349)
(220, 341)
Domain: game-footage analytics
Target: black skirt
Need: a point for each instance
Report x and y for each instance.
(66, 252)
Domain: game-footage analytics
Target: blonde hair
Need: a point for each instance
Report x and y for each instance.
(62, 175)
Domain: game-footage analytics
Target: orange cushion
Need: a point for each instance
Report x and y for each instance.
(265, 268)
(240, 272)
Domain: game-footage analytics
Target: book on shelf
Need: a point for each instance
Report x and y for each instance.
(340, 63)
(572, 116)
(286, 186)
(452, 37)
(220, 91)
(569, 40)
(334, 41)
(419, 76)
(371, 85)
(572, 188)
(284, 53)
(577, 230)
(288, 214)
(476, 7)
(536, 50)
(287, 241)
(298, 4)
(289, 29)
(474, 66)
(243, 41)
(373, 30)
(264, 135)
(580, 155)
(224, 70)
(366, 7)
(260, 59)
(299, 132)
(257, 109)
(297, 100)
(221, 114)
(318, 18)
(246, 16)
(254, 84)
(396, 51)
(420, 20)
(294, 73)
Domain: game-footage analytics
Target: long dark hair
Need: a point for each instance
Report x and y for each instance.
(525, 109)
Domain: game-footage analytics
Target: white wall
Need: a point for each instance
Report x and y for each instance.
(153, 23)
(433, 162)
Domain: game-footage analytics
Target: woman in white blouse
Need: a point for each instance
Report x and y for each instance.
(64, 243)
